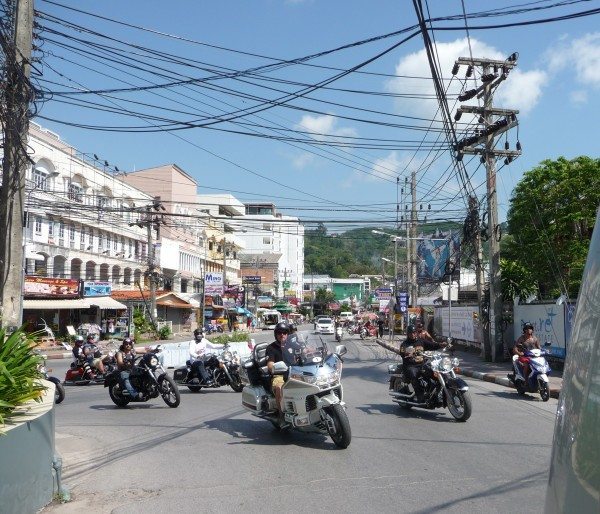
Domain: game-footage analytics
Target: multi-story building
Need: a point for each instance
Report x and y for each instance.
(268, 231)
(81, 216)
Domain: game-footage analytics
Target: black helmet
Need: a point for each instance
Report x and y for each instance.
(128, 340)
(282, 328)
(199, 332)
(410, 329)
(91, 336)
(527, 326)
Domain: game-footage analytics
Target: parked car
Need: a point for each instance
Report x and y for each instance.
(317, 318)
(325, 326)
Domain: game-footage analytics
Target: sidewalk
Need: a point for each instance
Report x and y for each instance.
(472, 365)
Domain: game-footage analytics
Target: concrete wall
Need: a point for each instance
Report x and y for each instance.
(26, 453)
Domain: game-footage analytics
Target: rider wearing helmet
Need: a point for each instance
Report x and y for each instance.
(125, 359)
(78, 348)
(275, 354)
(527, 341)
(197, 349)
(93, 355)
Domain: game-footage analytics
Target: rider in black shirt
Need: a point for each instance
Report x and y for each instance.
(275, 354)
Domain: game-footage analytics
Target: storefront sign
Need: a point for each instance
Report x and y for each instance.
(45, 287)
(213, 283)
(94, 288)
(251, 279)
(383, 293)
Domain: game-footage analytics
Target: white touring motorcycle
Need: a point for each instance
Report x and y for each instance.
(312, 391)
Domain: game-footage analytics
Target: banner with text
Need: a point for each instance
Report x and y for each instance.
(213, 283)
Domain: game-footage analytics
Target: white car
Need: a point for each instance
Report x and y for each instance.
(324, 326)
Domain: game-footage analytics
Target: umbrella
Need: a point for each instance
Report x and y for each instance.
(369, 315)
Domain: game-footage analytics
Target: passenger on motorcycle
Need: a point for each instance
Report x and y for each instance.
(275, 354)
(197, 350)
(412, 359)
(93, 355)
(125, 359)
(423, 334)
(527, 341)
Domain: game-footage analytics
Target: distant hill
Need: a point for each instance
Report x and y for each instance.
(357, 251)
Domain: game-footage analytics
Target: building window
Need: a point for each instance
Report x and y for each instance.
(100, 240)
(72, 233)
(61, 230)
(50, 227)
(122, 244)
(82, 235)
(91, 238)
(75, 192)
(38, 225)
(116, 243)
(40, 179)
(266, 240)
(130, 248)
(211, 246)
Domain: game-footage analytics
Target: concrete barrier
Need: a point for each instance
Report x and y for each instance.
(174, 355)
(26, 455)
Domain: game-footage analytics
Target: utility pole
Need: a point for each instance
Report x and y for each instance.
(151, 265)
(16, 97)
(413, 245)
(494, 122)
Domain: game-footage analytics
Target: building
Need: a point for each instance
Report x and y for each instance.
(346, 290)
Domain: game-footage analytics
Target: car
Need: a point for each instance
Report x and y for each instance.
(324, 326)
(316, 319)
(346, 316)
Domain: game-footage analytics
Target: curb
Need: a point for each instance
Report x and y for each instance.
(477, 375)
(66, 355)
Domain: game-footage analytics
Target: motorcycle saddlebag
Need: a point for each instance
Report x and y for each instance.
(180, 374)
(256, 399)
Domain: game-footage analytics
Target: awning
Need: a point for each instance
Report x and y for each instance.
(106, 302)
(59, 303)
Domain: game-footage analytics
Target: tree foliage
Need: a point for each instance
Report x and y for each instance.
(551, 218)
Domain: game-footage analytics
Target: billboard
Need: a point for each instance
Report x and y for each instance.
(438, 257)
(45, 287)
(96, 288)
(213, 283)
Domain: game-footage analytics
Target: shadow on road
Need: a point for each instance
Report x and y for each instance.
(261, 432)
(415, 413)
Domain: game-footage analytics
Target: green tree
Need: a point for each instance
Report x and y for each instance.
(324, 296)
(551, 217)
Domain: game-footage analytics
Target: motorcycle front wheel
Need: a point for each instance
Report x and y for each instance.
(236, 383)
(459, 404)
(341, 434)
(59, 390)
(115, 395)
(168, 391)
(544, 391)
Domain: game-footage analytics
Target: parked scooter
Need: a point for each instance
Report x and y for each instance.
(209, 328)
(368, 331)
(441, 386)
(312, 393)
(222, 368)
(537, 381)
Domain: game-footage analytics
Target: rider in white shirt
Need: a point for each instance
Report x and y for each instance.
(197, 349)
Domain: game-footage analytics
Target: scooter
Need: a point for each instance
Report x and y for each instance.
(311, 394)
(339, 333)
(537, 381)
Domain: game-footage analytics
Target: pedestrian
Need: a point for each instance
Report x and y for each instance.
(380, 325)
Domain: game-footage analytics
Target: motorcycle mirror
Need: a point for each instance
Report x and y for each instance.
(340, 350)
(279, 368)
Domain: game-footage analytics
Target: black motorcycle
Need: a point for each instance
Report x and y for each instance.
(441, 386)
(223, 369)
(149, 378)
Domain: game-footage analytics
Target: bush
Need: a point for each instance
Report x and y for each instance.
(142, 325)
(19, 373)
(164, 332)
(230, 338)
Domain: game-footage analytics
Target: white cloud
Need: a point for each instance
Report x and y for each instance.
(579, 97)
(522, 88)
(390, 166)
(582, 55)
(321, 128)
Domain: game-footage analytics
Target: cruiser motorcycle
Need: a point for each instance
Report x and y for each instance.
(81, 373)
(439, 382)
(149, 378)
(312, 393)
(223, 369)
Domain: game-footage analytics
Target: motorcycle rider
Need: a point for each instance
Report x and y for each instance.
(526, 341)
(274, 354)
(93, 355)
(125, 359)
(413, 362)
(197, 349)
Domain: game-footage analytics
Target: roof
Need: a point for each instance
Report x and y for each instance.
(249, 259)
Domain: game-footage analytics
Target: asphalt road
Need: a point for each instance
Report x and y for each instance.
(210, 455)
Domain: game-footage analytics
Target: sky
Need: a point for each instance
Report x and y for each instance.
(273, 133)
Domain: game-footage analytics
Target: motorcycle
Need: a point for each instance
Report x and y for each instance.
(149, 378)
(223, 369)
(339, 333)
(370, 331)
(312, 394)
(441, 386)
(209, 328)
(59, 390)
(81, 373)
(537, 381)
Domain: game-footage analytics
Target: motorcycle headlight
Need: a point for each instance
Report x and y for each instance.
(455, 362)
(446, 364)
(153, 362)
(227, 356)
(235, 358)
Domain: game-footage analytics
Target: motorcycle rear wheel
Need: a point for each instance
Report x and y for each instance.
(463, 412)
(343, 434)
(168, 391)
(59, 390)
(544, 391)
(236, 383)
(118, 399)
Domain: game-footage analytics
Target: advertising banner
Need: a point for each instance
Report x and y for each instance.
(549, 325)
(95, 288)
(251, 279)
(46, 287)
(234, 297)
(462, 323)
(383, 293)
(213, 283)
(437, 259)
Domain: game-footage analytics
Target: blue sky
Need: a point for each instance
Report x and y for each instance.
(555, 86)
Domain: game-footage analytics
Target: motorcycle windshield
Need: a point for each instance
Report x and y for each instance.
(300, 350)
